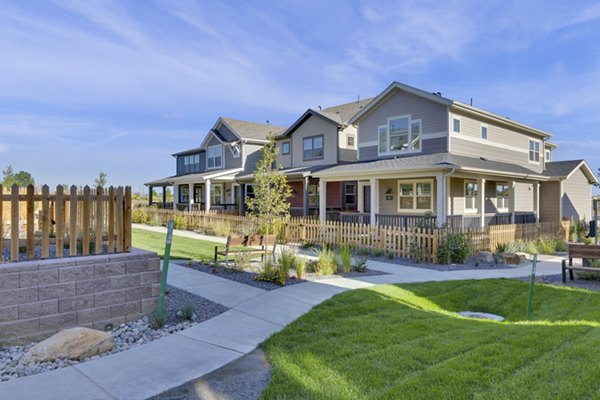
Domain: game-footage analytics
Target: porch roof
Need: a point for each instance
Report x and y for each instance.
(437, 161)
(224, 174)
(298, 172)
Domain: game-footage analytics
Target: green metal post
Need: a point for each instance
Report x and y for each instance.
(531, 285)
(160, 310)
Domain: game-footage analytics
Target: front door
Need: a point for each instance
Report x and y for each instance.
(367, 198)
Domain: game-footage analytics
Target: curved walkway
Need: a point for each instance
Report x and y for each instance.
(254, 315)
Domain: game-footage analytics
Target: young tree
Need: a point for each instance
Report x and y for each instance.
(101, 179)
(271, 191)
(21, 178)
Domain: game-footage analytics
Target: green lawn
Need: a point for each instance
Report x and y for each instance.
(406, 341)
(181, 248)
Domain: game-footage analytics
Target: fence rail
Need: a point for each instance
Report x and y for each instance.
(415, 242)
(77, 221)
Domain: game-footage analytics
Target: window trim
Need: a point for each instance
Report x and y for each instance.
(415, 210)
(317, 195)
(409, 141)
(289, 148)
(208, 158)
(475, 209)
(459, 119)
(355, 194)
(181, 190)
(353, 145)
(221, 202)
(547, 155)
(538, 151)
(503, 209)
(487, 131)
(312, 138)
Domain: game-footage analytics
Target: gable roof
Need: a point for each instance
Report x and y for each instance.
(439, 99)
(564, 169)
(251, 130)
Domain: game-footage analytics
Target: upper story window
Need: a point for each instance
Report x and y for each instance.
(484, 131)
(415, 195)
(285, 148)
(502, 196)
(534, 151)
(313, 148)
(214, 156)
(456, 124)
(191, 163)
(548, 155)
(400, 134)
(471, 191)
(350, 141)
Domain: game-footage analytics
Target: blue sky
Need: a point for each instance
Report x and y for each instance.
(118, 86)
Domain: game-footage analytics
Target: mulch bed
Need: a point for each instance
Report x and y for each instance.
(469, 265)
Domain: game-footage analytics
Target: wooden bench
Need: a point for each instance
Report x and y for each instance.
(258, 244)
(584, 252)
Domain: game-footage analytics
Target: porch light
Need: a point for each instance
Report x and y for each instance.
(388, 191)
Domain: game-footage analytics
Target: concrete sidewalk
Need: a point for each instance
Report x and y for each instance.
(254, 315)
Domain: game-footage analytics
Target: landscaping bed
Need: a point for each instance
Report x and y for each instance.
(127, 335)
(590, 284)
(469, 264)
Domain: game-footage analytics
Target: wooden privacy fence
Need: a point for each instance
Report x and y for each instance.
(91, 220)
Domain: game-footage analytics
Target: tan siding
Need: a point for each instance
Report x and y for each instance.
(524, 197)
(577, 197)
(457, 197)
(549, 201)
(434, 119)
(391, 206)
(314, 126)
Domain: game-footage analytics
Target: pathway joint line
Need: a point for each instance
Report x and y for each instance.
(109, 394)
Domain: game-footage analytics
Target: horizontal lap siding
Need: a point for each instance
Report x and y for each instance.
(391, 206)
(549, 201)
(434, 119)
(284, 160)
(348, 154)
(315, 126)
(524, 197)
(577, 197)
(251, 155)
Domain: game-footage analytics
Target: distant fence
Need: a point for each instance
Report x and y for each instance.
(420, 243)
(82, 221)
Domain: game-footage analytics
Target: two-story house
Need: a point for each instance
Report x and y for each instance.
(420, 153)
(205, 176)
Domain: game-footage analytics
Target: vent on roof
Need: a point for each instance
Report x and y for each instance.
(437, 93)
(320, 108)
(482, 159)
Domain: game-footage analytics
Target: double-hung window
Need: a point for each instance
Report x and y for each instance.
(285, 148)
(399, 135)
(191, 163)
(313, 148)
(456, 125)
(415, 196)
(216, 193)
(350, 193)
(471, 191)
(184, 196)
(214, 157)
(534, 151)
(350, 142)
(313, 195)
(484, 131)
(502, 196)
(548, 156)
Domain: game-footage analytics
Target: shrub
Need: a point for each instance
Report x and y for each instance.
(454, 249)
(221, 228)
(415, 251)
(327, 261)
(180, 221)
(271, 273)
(501, 248)
(377, 253)
(361, 265)
(158, 321)
(364, 251)
(551, 245)
(300, 266)
(140, 216)
(286, 261)
(391, 255)
(187, 311)
(346, 257)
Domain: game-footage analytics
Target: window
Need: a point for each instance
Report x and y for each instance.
(415, 196)
(484, 131)
(502, 196)
(191, 163)
(313, 148)
(350, 141)
(456, 125)
(548, 156)
(235, 150)
(198, 194)
(216, 194)
(250, 191)
(214, 156)
(313, 195)
(184, 194)
(285, 148)
(400, 134)
(350, 193)
(534, 151)
(470, 196)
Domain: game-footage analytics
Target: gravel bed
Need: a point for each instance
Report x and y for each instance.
(127, 335)
(470, 264)
(37, 253)
(590, 284)
(248, 277)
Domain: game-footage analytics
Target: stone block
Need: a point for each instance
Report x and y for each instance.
(78, 273)
(110, 269)
(155, 289)
(19, 267)
(76, 303)
(58, 321)
(93, 286)
(141, 292)
(110, 297)
(148, 278)
(10, 313)
(93, 314)
(137, 266)
(37, 309)
(132, 307)
(18, 296)
(149, 305)
(18, 328)
(41, 277)
(9, 281)
(58, 291)
(125, 281)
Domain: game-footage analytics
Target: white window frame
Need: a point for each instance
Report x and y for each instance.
(539, 144)
(414, 183)
(505, 199)
(475, 207)
(348, 145)
(212, 198)
(410, 150)
(235, 150)
(548, 155)
(208, 149)
(487, 131)
(455, 118)
(355, 194)
(289, 146)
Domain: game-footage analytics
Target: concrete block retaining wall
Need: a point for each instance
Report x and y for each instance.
(40, 298)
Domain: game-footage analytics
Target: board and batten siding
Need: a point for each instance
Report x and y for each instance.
(315, 126)
(577, 197)
(433, 116)
(502, 144)
(549, 201)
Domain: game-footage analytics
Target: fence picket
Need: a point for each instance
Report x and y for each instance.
(45, 220)
(60, 221)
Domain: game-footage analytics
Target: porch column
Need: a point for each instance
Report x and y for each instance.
(207, 195)
(560, 200)
(440, 204)
(243, 199)
(374, 200)
(164, 195)
(150, 195)
(322, 200)
(191, 196)
(512, 207)
(305, 197)
(536, 201)
(360, 200)
(481, 200)
(175, 196)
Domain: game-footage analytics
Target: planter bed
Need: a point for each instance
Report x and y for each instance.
(590, 284)
(469, 265)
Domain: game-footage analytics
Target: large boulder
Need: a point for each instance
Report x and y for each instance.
(511, 258)
(486, 257)
(72, 344)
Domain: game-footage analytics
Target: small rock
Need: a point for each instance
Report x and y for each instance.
(481, 315)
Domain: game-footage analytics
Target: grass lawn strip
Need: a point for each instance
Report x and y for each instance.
(406, 342)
